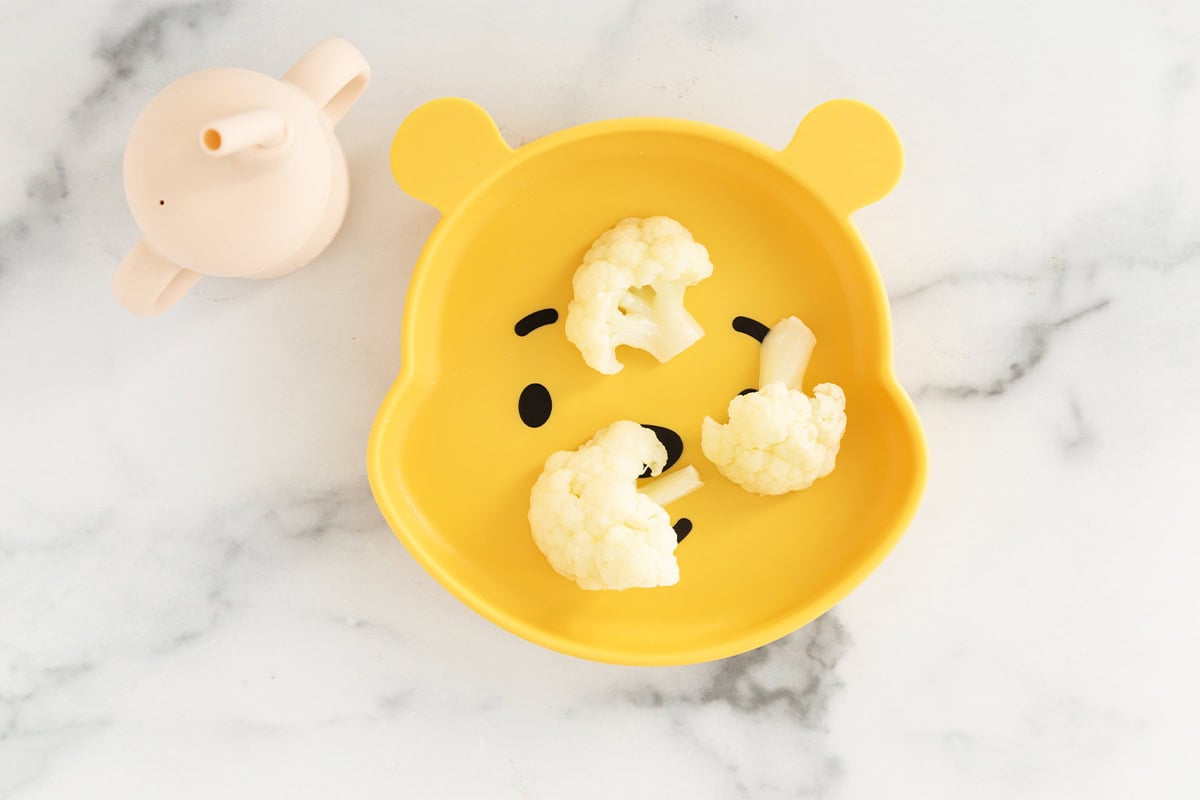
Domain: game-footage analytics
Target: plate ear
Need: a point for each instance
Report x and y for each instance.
(848, 153)
(444, 149)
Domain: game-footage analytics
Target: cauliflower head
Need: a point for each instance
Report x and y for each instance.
(777, 440)
(629, 291)
(592, 523)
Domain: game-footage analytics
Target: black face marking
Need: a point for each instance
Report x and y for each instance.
(682, 528)
(531, 322)
(747, 391)
(751, 327)
(534, 405)
(671, 441)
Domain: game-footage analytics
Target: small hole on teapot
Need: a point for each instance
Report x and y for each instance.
(162, 202)
(212, 139)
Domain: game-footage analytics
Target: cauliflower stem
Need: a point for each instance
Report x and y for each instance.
(666, 489)
(785, 354)
(653, 319)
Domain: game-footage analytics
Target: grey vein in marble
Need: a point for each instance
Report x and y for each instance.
(219, 548)
(795, 678)
(126, 53)
(821, 644)
(1036, 340)
(1080, 434)
(953, 279)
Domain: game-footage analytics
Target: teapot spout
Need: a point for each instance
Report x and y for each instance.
(263, 128)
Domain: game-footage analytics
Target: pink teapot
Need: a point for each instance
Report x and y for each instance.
(229, 172)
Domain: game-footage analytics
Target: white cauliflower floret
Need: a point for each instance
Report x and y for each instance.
(593, 522)
(629, 291)
(778, 439)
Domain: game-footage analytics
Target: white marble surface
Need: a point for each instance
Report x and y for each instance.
(198, 597)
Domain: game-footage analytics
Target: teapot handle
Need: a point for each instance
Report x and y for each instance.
(148, 284)
(333, 74)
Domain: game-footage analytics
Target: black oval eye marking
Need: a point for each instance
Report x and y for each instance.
(671, 441)
(751, 327)
(682, 528)
(747, 391)
(534, 405)
(531, 322)
(162, 202)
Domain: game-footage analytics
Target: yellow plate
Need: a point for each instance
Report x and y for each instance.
(451, 463)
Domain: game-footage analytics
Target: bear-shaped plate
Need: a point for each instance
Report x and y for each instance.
(451, 459)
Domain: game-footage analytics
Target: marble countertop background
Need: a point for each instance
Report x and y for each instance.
(198, 597)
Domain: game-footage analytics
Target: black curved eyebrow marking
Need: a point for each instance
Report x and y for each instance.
(751, 327)
(531, 322)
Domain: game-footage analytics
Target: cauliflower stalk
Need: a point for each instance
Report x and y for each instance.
(779, 439)
(629, 291)
(593, 522)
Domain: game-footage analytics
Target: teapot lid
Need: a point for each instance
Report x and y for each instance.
(221, 212)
